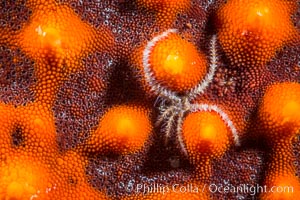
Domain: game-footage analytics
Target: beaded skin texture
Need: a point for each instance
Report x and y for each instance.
(149, 99)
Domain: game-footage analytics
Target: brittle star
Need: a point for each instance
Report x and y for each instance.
(173, 106)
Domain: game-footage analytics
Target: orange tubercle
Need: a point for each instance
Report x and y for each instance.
(176, 64)
(73, 182)
(21, 179)
(31, 165)
(283, 187)
(57, 39)
(279, 111)
(279, 123)
(251, 31)
(58, 31)
(122, 130)
(166, 10)
(205, 135)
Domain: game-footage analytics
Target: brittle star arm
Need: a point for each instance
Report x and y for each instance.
(200, 88)
(154, 85)
(165, 114)
(179, 131)
(168, 127)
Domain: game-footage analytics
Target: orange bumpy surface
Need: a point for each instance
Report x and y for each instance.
(32, 165)
(281, 181)
(282, 188)
(166, 10)
(57, 32)
(176, 63)
(71, 98)
(279, 117)
(280, 111)
(20, 179)
(56, 38)
(122, 129)
(251, 31)
(205, 134)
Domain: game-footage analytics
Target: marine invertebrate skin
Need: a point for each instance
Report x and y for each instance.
(7, 124)
(175, 63)
(280, 119)
(205, 134)
(32, 165)
(20, 179)
(166, 10)
(193, 143)
(54, 32)
(179, 104)
(280, 123)
(27, 151)
(73, 183)
(99, 98)
(25, 128)
(193, 90)
(122, 130)
(244, 29)
(280, 178)
(57, 39)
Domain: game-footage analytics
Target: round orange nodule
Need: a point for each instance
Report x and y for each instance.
(122, 130)
(56, 32)
(21, 179)
(282, 188)
(205, 135)
(176, 63)
(279, 111)
(251, 31)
